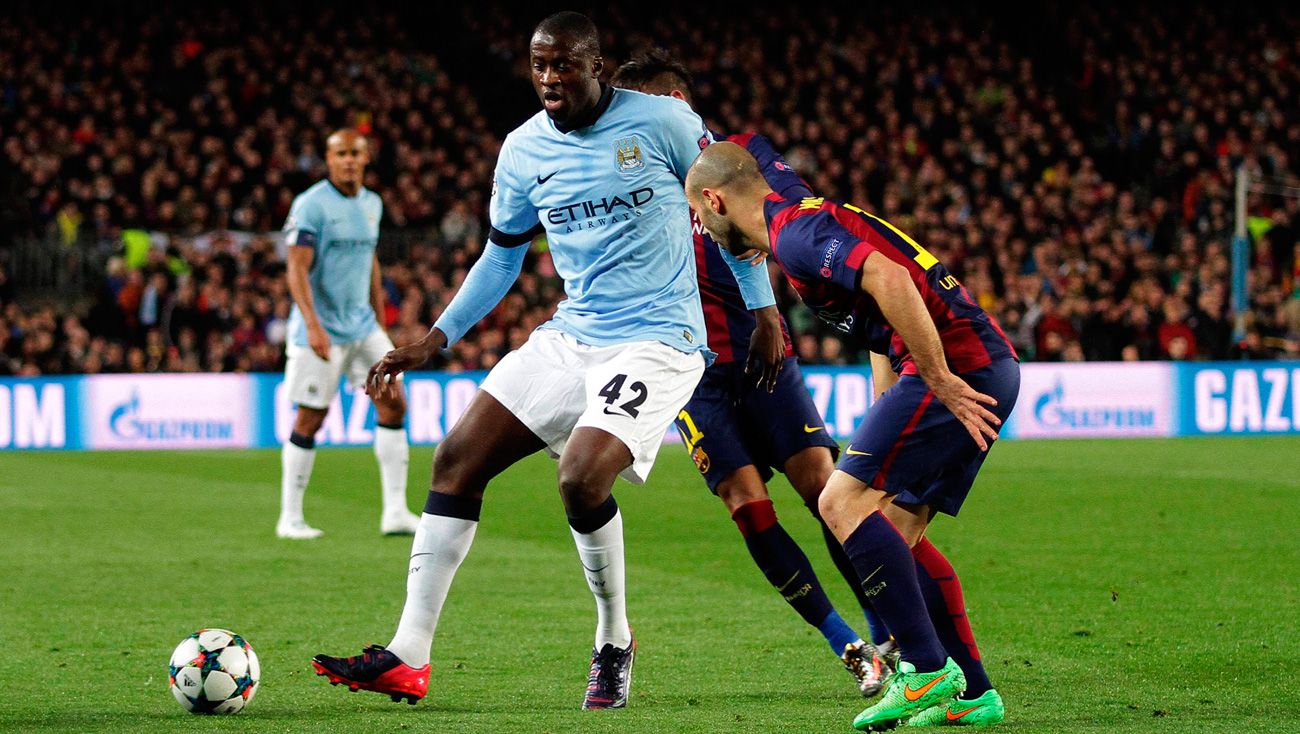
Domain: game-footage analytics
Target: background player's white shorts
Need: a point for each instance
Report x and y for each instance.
(554, 384)
(312, 382)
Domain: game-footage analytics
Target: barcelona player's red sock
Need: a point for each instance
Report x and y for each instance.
(788, 570)
(943, 599)
(888, 577)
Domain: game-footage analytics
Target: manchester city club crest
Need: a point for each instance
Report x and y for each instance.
(628, 151)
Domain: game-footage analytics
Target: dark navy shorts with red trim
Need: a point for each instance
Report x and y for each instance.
(910, 446)
(729, 423)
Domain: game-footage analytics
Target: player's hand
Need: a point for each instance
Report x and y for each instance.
(319, 341)
(968, 406)
(766, 349)
(381, 381)
(753, 257)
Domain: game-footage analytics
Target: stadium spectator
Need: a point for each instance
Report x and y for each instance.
(1073, 171)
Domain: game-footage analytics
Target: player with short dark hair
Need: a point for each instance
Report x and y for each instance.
(738, 432)
(952, 378)
(336, 330)
(600, 172)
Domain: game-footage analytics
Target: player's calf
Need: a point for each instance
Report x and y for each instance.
(787, 569)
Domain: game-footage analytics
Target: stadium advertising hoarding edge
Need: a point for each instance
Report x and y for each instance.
(1249, 398)
(211, 411)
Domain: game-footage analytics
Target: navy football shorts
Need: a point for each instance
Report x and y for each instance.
(729, 423)
(910, 446)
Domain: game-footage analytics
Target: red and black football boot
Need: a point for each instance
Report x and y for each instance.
(375, 669)
(610, 676)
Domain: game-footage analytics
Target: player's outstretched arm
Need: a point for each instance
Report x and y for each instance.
(484, 287)
(891, 286)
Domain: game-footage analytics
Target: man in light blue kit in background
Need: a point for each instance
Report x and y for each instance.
(334, 330)
(600, 171)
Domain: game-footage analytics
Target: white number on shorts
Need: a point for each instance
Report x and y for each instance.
(613, 392)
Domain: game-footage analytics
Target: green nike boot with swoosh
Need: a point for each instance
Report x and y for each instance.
(909, 693)
(984, 710)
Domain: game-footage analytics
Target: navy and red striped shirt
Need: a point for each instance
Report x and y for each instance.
(728, 322)
(821, 245)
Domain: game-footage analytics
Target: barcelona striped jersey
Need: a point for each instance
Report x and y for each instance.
(821, 245)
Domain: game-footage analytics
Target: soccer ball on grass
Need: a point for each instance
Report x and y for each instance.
(214, 671)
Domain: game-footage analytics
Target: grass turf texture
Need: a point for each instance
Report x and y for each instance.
(1141, 586)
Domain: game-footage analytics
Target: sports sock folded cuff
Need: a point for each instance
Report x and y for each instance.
(448, 505)
(596, 518)
(301, 441)
(754, 517)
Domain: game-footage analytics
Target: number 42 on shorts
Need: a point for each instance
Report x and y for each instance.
(612, 392)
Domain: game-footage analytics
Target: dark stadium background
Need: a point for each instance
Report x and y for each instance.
(1075, 166)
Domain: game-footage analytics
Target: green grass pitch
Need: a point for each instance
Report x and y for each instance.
(1114, 586)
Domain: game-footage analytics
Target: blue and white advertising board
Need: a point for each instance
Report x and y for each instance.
(1089, 400)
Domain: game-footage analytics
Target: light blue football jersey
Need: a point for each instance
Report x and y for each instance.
(344, 231)
(609, 196)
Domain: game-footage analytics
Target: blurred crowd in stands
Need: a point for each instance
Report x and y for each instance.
(1074, 167)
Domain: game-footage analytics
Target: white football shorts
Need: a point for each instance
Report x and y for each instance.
(312, 382)
(554, 384)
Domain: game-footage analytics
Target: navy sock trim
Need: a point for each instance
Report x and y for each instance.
(394, 426)
(301, 441)
(595, 518)
(450, 505)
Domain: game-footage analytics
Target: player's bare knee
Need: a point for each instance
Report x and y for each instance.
(309, 421)
(390, 413)
(582, 491)
(453, 470)
(390, 419)
(830, 503)
(740, 488)
(846, 500)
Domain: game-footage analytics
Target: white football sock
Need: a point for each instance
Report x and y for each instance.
(441, 543)
(393, 454)
(601, 553)
(295, 471)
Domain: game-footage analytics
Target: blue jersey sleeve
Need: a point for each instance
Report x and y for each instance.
(780, 175)
(684, 136)
(816, 248)
(513, 217)
(305, 222)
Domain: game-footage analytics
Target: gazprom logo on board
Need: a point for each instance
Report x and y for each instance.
(1051, 410)
(126, 422)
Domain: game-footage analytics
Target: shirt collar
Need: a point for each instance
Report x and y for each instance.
(339, 191)
(589, 118)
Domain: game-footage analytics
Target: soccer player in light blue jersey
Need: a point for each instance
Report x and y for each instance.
(600, 171)
(334, 330)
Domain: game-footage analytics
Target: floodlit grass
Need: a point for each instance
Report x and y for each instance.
(1116, 586)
